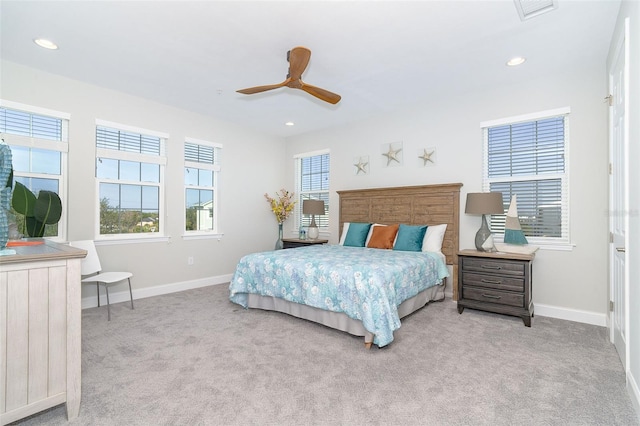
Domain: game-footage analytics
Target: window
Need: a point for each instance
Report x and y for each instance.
(527, 156)
(312, 182)
(130, 175)
(201, 168)
(38, 139)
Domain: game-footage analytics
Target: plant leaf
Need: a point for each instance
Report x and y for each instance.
(35, 228)
(47, 208)
(23, 200)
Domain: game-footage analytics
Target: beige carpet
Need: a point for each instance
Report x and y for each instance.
(194, 358)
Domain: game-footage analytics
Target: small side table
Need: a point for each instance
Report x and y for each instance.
(295, 242)
(496, 282)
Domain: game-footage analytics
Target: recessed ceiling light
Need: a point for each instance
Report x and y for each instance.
(289, 123)
(518, 60)
(47, 44)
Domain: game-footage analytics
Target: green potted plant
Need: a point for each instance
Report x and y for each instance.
(46, 209)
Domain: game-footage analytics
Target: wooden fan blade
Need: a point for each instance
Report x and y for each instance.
(258, 89)
(298, 61)
(319, 93)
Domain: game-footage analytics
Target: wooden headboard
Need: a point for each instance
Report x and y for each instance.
(412, 205)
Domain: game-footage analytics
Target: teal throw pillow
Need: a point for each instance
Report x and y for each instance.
(357, 234)
(410, 237)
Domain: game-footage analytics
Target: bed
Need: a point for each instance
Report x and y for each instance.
(362, 291)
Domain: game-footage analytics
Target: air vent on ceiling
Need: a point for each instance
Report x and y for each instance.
(528, 9)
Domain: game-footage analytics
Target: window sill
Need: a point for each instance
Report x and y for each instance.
(202, 236)
(101, 241)
(555, 247)
(544, 245)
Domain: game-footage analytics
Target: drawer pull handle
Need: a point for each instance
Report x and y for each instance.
(484, 280)
(497, 268)
(490, 296)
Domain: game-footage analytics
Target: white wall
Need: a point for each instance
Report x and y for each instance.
(631, 10)
(252, 164)
(571, 284)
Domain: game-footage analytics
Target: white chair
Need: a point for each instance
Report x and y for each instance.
(91, 269)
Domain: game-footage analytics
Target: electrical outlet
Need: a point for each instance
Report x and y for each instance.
(190, 260)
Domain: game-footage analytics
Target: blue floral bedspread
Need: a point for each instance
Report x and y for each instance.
(364, 283)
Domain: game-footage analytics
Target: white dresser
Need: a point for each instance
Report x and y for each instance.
(40, 324)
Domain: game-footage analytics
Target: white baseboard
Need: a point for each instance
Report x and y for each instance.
(569, 314)
(123, 296)
(634, 392)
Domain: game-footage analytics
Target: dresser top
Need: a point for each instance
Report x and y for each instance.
(48, 250)
(497, 255)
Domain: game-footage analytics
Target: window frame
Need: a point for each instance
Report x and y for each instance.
(61, 146)
(160, 159)
(215, 168)
(562, 242)
(300, 221)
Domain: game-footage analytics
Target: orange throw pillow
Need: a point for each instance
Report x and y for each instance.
(382, 237)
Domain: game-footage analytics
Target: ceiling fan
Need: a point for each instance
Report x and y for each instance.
(298, 58)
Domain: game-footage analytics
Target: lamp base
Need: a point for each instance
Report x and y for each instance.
(312, 232)
(484, 239)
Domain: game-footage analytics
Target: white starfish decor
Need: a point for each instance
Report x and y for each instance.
(361, 165)
(426, 157)
(393, 154)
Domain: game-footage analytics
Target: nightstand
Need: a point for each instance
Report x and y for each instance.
(496, 282)
(295, 242)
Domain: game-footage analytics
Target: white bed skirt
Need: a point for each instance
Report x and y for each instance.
(339, 320)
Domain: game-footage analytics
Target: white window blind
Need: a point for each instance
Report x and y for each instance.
(312, 175)
(24, 123)
(529, 159)
(108, 138)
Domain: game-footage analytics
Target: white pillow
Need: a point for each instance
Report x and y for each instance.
(343, 236)
(433, 238)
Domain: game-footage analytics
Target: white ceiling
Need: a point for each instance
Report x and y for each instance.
(379, 56)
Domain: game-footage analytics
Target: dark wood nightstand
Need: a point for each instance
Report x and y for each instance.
(496, 282)
(295, 242)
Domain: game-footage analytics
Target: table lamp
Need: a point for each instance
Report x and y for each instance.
(313, 207)
(484, 203)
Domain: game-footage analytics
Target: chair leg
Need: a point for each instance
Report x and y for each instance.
(130, 292)
(106, 289)
(98, 292)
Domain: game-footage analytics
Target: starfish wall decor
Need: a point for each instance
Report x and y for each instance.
(362, 165)
(427, 156)
(393, 154)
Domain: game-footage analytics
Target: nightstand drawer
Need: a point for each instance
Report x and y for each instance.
(496, 282)
(503, 267)
(493, 296)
